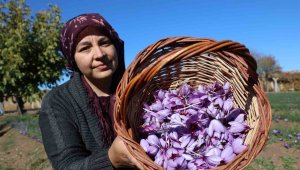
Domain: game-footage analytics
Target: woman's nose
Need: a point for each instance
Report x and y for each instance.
(99, 52)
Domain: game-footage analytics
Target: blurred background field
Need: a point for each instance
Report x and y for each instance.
(21, 147)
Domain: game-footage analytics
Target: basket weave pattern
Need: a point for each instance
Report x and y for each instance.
(171, 61)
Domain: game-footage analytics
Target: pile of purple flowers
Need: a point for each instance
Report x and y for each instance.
(191, 128)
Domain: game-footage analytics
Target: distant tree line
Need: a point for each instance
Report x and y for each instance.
(269, 70)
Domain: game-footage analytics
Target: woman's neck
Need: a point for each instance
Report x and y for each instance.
(100, 87)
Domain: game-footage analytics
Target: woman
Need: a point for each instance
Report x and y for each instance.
(76, 117)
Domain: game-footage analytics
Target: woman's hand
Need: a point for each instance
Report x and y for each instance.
(120, 156)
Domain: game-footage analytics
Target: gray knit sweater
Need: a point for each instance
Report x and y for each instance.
(71, 133)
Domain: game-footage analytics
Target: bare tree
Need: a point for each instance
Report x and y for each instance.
(267, 68)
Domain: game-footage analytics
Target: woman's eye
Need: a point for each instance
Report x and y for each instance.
(84, 49)
(105, 43)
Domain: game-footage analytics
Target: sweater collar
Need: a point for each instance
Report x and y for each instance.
(82, 100)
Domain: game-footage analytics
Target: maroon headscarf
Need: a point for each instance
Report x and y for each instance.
(68, 43)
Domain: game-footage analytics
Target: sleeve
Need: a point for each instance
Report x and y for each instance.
(63, 143)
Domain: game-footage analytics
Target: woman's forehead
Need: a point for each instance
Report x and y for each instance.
(90, 31)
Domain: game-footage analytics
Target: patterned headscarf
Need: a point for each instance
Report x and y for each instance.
(68, 42)
(71, 30)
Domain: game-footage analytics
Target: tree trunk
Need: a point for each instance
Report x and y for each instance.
(20, 105)
(276, 88)
(2, 111)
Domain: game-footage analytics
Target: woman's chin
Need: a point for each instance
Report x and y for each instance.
(103, 74)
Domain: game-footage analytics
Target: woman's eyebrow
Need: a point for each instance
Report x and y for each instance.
(83, 43)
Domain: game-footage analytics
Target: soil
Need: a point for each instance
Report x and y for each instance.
(21, 152)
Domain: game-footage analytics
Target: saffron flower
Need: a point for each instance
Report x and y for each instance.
(190, 128)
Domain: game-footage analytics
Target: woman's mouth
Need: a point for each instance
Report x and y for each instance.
(102, 67)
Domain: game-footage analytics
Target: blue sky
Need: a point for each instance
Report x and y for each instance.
(270, 27)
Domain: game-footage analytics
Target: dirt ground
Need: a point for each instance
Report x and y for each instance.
(273, 152)
(21, 152)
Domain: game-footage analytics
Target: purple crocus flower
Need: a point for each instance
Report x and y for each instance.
(227, 154)
(184, 90)
(238, 146)
(213, 157)
(215, 126)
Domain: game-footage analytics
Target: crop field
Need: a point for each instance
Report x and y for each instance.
(21, 148)
(282, 150)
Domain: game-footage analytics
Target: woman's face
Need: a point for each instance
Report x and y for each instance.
(95, 54)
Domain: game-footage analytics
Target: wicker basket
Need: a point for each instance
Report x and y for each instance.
(170, 61)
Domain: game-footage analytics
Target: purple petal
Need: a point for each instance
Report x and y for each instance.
(157, 106)
(219, 102)
(187, 157)
(180, 160)
(148, 128)
(152, 150)
(171, 151)
(153, 140)
(177, 100)
(172, 164)
(174, 135)
(214, 160)
(159, 158)
(162, 142)
(236, 127)
(201, 89)
(240, 118)
(226, 86)
(211, 110)
(227, 152)
(163, 113)
(185, 139)
(176, 145)
(229, 158)
(144, 144)
(228, 104)
(185, 89)
(191, 111)
(215, 126)
(194, 99)
(237, 145)
(161, 94)
(176, 118)
(191, 146)
(192, 166)
(213, 151)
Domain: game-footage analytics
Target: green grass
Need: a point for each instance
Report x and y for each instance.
(288, 162)
(283, 136)
(284, 101)
(290, 115)
(285, 107)
(262, 164)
